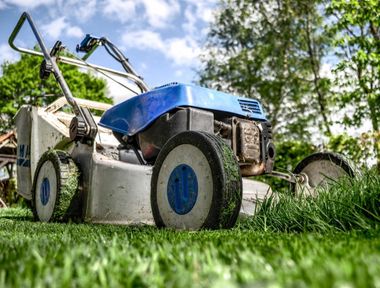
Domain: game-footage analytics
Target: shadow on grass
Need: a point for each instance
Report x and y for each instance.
(19, 214)
(18, 218)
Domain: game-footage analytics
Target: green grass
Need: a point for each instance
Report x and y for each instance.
(63, 255)
(351, 204)
(290, 248)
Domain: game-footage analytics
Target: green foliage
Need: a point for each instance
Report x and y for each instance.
(20, 84)
(290, 153)
(275, 51)
(348, 204)
(357, 149)
(357, 26)
(272, 50)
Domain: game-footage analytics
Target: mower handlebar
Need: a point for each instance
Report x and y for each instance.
(48, 58)
(71, 61)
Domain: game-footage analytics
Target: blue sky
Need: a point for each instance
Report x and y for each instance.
(162, 38)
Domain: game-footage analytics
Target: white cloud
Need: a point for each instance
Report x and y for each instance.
(156, 15)
(59, 26)
(55, 29)
(122, 10)
(203, 9)
(81, 10)
(74, 31)
(25, 4)
(160, 13)
(8, 54)
(114, 90)
(143, 39)
(182, 51)
(117, 91)
(178, 73)
(197, 12)
(190, 25)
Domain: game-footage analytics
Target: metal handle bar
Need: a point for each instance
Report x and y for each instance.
(123, 61)
(90, 43)
(75, 62)
(45, 53)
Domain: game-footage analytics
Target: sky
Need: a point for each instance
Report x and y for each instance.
(161, 38)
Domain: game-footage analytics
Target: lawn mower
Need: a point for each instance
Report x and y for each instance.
(179, 155)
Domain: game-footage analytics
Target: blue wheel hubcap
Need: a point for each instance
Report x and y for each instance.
(182, 189)
(45, 191)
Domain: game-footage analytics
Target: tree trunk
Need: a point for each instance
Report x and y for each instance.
(321, 97)
(376, 130)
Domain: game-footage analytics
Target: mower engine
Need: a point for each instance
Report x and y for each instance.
(251, 141)
(175, 108)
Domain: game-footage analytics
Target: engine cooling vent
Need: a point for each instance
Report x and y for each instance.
(166, 85)
(250, 106)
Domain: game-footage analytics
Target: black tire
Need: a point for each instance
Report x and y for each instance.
(54, 202)
(335, 166)
(213, 165)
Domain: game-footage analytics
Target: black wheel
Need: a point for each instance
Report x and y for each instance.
(321, 169)
(54, 186)
(196, 183)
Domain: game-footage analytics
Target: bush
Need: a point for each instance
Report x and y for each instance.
(357, 149)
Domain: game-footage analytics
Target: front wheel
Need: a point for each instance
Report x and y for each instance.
(196, 183)
(54, 187)
(321, 170)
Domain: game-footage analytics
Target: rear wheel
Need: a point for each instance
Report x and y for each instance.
(196, 183)
(320, 170)
(54, 187)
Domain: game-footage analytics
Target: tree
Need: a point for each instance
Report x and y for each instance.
(357, 26)
(20, 84)
(316, 43)
(272, 50)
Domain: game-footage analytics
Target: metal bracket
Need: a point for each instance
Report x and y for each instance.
(290, 177)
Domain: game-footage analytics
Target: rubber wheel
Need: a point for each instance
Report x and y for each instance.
(54, 187)
(196, 183)
(321, 169)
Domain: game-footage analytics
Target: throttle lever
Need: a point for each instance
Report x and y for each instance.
(56, 48)
(46, 67)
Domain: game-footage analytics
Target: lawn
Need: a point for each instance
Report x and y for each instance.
(47, 255)
(281, 246)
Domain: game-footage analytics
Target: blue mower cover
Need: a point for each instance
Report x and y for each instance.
(134, 115)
